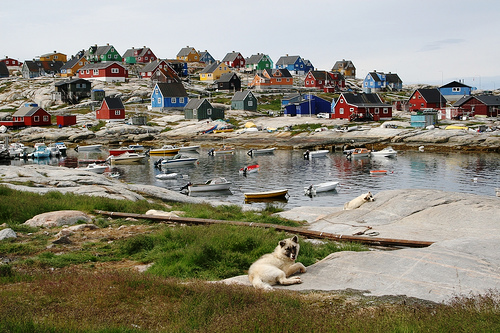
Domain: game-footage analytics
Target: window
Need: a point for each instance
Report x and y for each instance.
(116, 56)
(287, 80)
(278, 80)
(159, 100)
(307, 82)
(250, 103)
(386, 111)
(114, 70)
(341, 100)
(341, 110)
(95, 72)
(173, 100)
(88, 71)
(455, 89)
(181, 100)
(422, 104)
(118, 112)
(209, 112)
(376, 111)
(351, 109)
(45, 118)
(36, 119)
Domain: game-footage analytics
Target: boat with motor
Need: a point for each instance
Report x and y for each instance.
(165, 150)
(322, 187)
(79, 148)
(127, 158)
(358, 152)
(119, 151)
(249, 169)
(386, 152)
(214, 184)
(253, 152)
(94, 167)
(315, 153)
(178, 160)
(41, 151)
(222, 151)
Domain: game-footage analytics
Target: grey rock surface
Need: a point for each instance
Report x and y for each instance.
(7, 233)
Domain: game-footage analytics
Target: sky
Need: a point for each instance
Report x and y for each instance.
(427, 42)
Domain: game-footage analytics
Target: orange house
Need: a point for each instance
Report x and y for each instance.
(272, 79)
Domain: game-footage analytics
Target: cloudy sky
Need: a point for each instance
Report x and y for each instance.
(425, 41)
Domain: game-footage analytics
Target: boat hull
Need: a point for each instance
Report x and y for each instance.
(160, 151)
(88, 148)
(208, 187)
(323, 187)
(315, 154)
(252, 152)
(179, 162)
(249, 169)
(266, 195)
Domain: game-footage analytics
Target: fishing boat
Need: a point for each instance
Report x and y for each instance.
(386, 152)
(378, 172)
(222, 151)
(88, 148)
(165, 150)
(119, 151)
(266, 195)
(315, 153)
(249, 169)
(214, 184)
(322, 187)
(94, 167)
(178, 160)
(252, 152)
(127, 158)
(163, 176)
(359, 152)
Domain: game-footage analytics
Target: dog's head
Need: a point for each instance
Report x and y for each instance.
(289, 247)
(369, 197)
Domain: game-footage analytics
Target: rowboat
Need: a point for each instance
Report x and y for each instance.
(315, 153)
(359, 152)
(93, 167)
(166, 175)
(386, 152)
(165, 150)
(378, 172)
(214, 184)
(119, 151)
(252, 152)
(178, 160)
(322, 187)
(88, 148)
(188, 148)
(222, 151)
(266, 195)
(249, 169)
(224, 130)
(127, 158)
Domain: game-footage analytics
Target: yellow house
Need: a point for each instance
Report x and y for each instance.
(188, 54)
(71, 67)
(214, 71)
(54, 56)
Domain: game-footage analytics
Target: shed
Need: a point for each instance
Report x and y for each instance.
(66, 120)
(201, 109)
(111, 109)
(422, 120)
(244, 100)
(97, 95)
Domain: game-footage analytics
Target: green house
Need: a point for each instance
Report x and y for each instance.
(244, 100)
(258, 62)
(102, 54)
(201, 109)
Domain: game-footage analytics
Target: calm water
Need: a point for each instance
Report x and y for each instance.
(468, 173)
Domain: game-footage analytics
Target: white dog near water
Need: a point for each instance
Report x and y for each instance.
(357, 202)
(276, 267)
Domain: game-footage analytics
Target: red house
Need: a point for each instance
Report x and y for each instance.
(326, 81)
(479, 105)
(29, 115)
(234, 60)
(11, 63)
(111, 109)
(104, 71)
(361, 107)
(426, 99)
(147, 71)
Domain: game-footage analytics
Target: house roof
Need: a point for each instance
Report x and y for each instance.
(26, 111)
(319, 75)
(70, 63)
(431, 95)
(151, 66)
(226, 77)
(231, 56)
(172, 89)
(287, 60)
(272, 72)
(98, 50)
(374, 76)
(254, 59)
(343, 64)
(392, 78)
(185, 51)
(488, 100)
(210, 68)
(99, 65)
(455, 84)
(114, 103)
(241, 95)
(72, 80)
(48, 66)
(364, 100)
(195, 103)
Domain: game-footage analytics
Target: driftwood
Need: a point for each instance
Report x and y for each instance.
(295, 230)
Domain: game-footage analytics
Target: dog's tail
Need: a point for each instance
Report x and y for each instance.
(257, 282)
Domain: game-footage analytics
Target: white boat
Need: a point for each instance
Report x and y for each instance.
(54, 150)
(127, 158)
(136, 147)
(62, 147)
(172, 175)
(88, 148)
(322, 187)
(96, 168)
(188, 148)
(41, 151)
(249, 169)
(178, 160)
(315, 153)
(164, 150)
(214, 184)
(359, 152)
(252, 152)
(17, 149)
(386, 152)
(222, 151)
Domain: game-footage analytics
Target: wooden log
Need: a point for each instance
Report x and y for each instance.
(295, 230)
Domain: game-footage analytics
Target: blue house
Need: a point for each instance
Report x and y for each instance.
(308, 106)
(167, 96)
(453, 91)
(290, 99)
(206, 57)
(378, 81)
(294, 64)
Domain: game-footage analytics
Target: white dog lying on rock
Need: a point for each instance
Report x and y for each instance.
(357, 202)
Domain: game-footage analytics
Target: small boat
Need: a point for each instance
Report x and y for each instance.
(222, 151)
(93, 167)
(136, 147)
(224, 130)
(41, 151)
(188, 148)
(249, 169)
(252, 152)
(322, 187)
(266, 195)
(378, 172)
(88, 148)
(386, 152)
(54, 151)
(315, 153)
(214, 184)
(178, 160)
(165, 150)
(172, 175)
(127, 158)
(61, 147)
(359, 152)
(119, 151)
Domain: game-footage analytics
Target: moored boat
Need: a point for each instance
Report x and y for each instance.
(79, 148)
(378, 172)
(249, 169)
(165, 150)
(222, 151)
(41, 151)
(322, 187)
(266, 195)
(315, 153)
(359, 152)
(188, 148)
(252, 152)
(178, 160)
(96, 168)
(127, 158)
(119, 151)
(214, 184)
(386, 152)
(172, 175)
